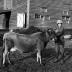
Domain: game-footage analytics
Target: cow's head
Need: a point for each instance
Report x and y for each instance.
(51, 34)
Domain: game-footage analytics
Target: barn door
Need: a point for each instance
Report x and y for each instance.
(6, 20)
(21, 20)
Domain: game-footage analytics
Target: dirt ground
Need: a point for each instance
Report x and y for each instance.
(29, 64)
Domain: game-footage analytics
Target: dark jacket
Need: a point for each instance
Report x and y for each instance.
(59, 31)
(59, 35)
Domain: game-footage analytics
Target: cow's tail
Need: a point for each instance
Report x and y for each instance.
(4, 51)
(3, 45)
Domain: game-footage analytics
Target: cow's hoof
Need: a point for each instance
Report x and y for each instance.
(5, 64)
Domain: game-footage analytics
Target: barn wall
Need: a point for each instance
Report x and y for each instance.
(55, 10)
(19, 6)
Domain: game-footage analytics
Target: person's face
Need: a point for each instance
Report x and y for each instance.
(59, 25)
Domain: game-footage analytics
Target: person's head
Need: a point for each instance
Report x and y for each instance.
(59, 23)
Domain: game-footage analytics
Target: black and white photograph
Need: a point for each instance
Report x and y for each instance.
(35, 35)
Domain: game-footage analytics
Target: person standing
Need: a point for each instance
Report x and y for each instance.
(60, 39)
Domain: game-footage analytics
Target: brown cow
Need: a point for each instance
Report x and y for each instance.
(24, 43)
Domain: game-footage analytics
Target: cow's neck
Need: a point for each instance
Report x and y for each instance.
(46, 36)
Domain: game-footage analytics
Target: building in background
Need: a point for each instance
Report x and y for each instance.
(8, 4)
(52, 10)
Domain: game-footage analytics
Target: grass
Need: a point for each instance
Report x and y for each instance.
(30, 64)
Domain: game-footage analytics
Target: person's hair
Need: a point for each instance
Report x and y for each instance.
(59, 23)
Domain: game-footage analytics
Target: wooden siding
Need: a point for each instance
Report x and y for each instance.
(55, 11)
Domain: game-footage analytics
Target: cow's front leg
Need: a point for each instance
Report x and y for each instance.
(39, 57)
(5, 53)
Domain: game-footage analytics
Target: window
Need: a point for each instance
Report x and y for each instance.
(20, 20)
(43, 9)
(37, 15)
(65, 12)
(64, 17)
(48, 17)
(8, 4)
(68, 19)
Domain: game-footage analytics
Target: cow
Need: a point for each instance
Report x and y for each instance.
(24, 43)
(21, 42)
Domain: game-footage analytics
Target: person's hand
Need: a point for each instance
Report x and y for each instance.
(53, 39)
(56, 30)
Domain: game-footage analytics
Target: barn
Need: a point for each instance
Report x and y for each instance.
(22, 14)
(41, 13)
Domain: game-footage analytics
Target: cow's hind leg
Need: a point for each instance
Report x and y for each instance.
(5, 54)
(38, 56)
(39, 48)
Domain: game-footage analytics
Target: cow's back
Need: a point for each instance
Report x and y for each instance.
(22, 41)
(26, 41)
